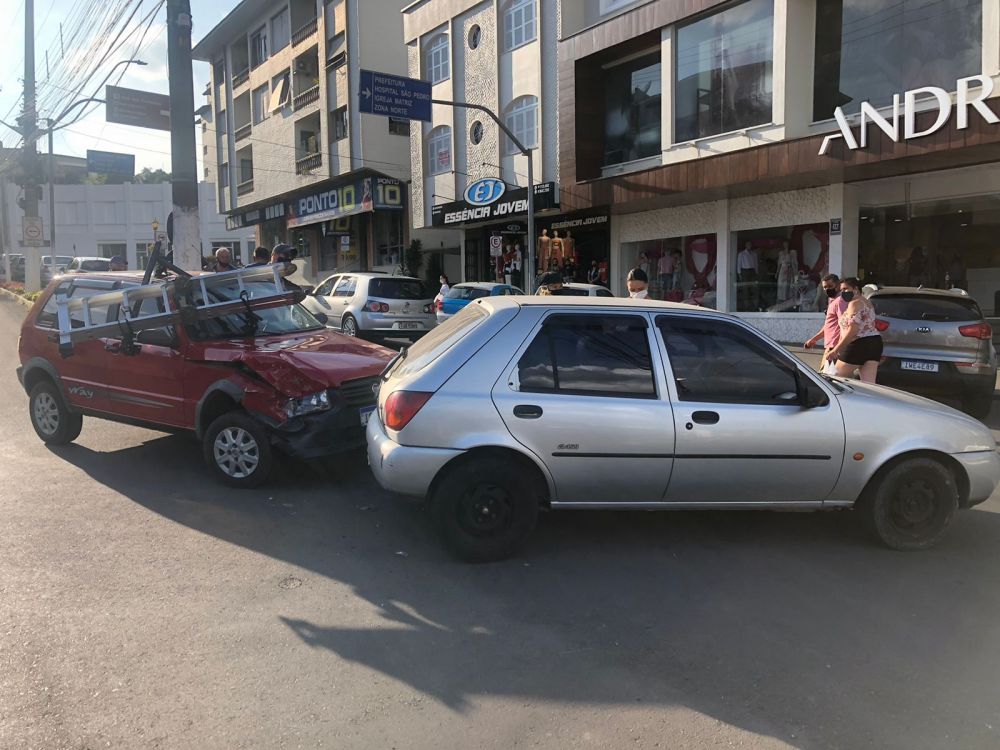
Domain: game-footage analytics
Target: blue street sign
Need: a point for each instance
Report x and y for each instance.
(108, 162)
(395, 96)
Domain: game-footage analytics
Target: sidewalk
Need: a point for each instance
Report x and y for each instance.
(812, 358)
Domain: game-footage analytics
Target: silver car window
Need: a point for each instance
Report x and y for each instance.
(346, 287)
(439, 340)
(589, 354)
(715, 361)
(324, 289)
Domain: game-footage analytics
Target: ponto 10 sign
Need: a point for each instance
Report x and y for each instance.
(484, 192)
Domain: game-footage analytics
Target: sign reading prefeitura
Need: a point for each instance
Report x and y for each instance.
(907, 105)
(367, 194)
(490, 203)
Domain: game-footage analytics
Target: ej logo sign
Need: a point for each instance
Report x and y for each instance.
(484, 192)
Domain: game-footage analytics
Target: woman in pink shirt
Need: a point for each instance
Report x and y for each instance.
(830, 332)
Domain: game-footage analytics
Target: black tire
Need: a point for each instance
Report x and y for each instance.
(911, 504)
(238, 451)
(484, 509)
(349, 326)
(54, 423)
(978, 405)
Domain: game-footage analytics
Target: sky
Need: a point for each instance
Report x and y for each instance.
(151, 147)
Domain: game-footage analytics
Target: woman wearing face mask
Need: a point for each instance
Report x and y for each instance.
(860, 345)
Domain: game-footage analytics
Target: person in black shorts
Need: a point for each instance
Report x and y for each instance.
(860, 346)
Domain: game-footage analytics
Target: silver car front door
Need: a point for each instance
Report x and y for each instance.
(749, 431)
(586, 394)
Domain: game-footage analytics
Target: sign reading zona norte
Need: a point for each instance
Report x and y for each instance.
(395, 96)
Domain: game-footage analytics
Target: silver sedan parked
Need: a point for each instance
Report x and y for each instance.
(519, 403)
(374, 306)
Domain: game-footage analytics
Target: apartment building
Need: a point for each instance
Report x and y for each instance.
(744, 149)
(500, 54)
(295, 159)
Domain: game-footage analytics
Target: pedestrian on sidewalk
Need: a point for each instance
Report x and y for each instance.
(860, 346)
(637, 282)
(830, 332)
(223, 260)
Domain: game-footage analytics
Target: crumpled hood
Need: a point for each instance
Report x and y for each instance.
(303, 363)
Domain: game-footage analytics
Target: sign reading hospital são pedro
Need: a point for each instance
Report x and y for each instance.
(913, 101)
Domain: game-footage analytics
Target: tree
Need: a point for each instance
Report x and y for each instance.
(152, 176)
(413, 259)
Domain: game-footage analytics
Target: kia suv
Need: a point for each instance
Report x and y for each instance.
(937, 343)
(267, 380)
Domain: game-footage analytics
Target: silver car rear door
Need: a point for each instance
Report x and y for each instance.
(586, 394)
(743, 435)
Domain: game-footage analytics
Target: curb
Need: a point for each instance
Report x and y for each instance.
(16, 297)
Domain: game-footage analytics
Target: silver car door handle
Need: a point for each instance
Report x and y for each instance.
(705, 417)
(527, 411)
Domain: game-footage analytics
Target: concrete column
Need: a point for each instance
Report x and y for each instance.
(616, 269)
(843, 203)
(794, 58)
(991, 37)
(461, 256)
(667, 84)
(724, 269)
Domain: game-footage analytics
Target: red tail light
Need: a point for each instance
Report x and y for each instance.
(881, 325)
(377, 307)
(977, 331)
(402, 406)
(439, 304)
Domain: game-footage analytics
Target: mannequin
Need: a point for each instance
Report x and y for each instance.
(747, 263)
(569, 248)
(556, 249)
(543, 249)
(788, 271)
(515, 265)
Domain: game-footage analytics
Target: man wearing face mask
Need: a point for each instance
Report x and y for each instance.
(830, 332)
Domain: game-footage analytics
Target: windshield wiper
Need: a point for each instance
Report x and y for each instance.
(251, 319)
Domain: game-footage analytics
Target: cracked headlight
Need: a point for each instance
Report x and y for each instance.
(314, 402)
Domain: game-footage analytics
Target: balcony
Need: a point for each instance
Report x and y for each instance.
(305, 31)
(245, 187)
(306, 98)
(241, 78)
(243, 133)
(308, 163)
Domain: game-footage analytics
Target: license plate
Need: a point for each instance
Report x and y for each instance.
(920, 366)
(366, 415)
(408, 325)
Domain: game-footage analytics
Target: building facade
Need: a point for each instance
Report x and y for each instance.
(744, 149)
(502, 55)
(109, 220)
(296, 160)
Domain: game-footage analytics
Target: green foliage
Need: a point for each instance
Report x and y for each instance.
(413, 259)
(152, 176)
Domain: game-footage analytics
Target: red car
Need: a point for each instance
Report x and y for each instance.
(284, 384)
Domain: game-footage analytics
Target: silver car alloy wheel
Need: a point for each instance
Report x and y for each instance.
(350, 328)
(46, 413)
(236, 452)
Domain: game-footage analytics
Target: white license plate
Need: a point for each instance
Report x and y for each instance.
(366, 415)
(408, 325)
(919, 366)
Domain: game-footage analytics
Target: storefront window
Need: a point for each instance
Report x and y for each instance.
(868, 50)
(944, 244)
(388, 239)
(779, 269)
(680, 269)
(632, 114)
(338, 248)
(724, 71)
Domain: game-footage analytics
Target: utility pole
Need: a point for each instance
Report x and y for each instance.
(52, 202)
(183, 158)
(29, 155)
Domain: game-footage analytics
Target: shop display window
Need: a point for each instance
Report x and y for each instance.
(946, 244)
(779, 269)
(680, 269)
(868, 50)
(724, 71)
(632, 110)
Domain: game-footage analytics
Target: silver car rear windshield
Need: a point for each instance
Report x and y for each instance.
(397, 289)
(927, 307)
(440, 339)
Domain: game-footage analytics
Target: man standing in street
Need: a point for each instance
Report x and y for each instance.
(830, 332)
(223, 260)
(261, 257)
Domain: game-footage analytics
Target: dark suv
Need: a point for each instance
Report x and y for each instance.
(937, 343)
(247, 384)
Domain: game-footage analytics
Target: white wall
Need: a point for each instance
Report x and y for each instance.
(89, 215)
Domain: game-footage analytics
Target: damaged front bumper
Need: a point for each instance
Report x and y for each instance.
(327, 433)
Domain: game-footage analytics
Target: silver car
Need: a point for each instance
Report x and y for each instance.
(520, 403)
(938, 343)
(374, 305)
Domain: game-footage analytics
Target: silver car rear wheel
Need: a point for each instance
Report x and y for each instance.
(911, 504)
(349, 327)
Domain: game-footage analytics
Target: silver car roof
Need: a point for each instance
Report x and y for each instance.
(639, 305)
(920, 291)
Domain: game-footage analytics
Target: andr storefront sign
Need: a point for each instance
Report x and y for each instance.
(902, 125)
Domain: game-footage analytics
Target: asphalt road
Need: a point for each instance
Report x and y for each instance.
(144, 606)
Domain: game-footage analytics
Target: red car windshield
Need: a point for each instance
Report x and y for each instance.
(272, 320)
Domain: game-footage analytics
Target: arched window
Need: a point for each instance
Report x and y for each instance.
(439, 150)
(437, 66)
(518, 24)
(522, 120)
